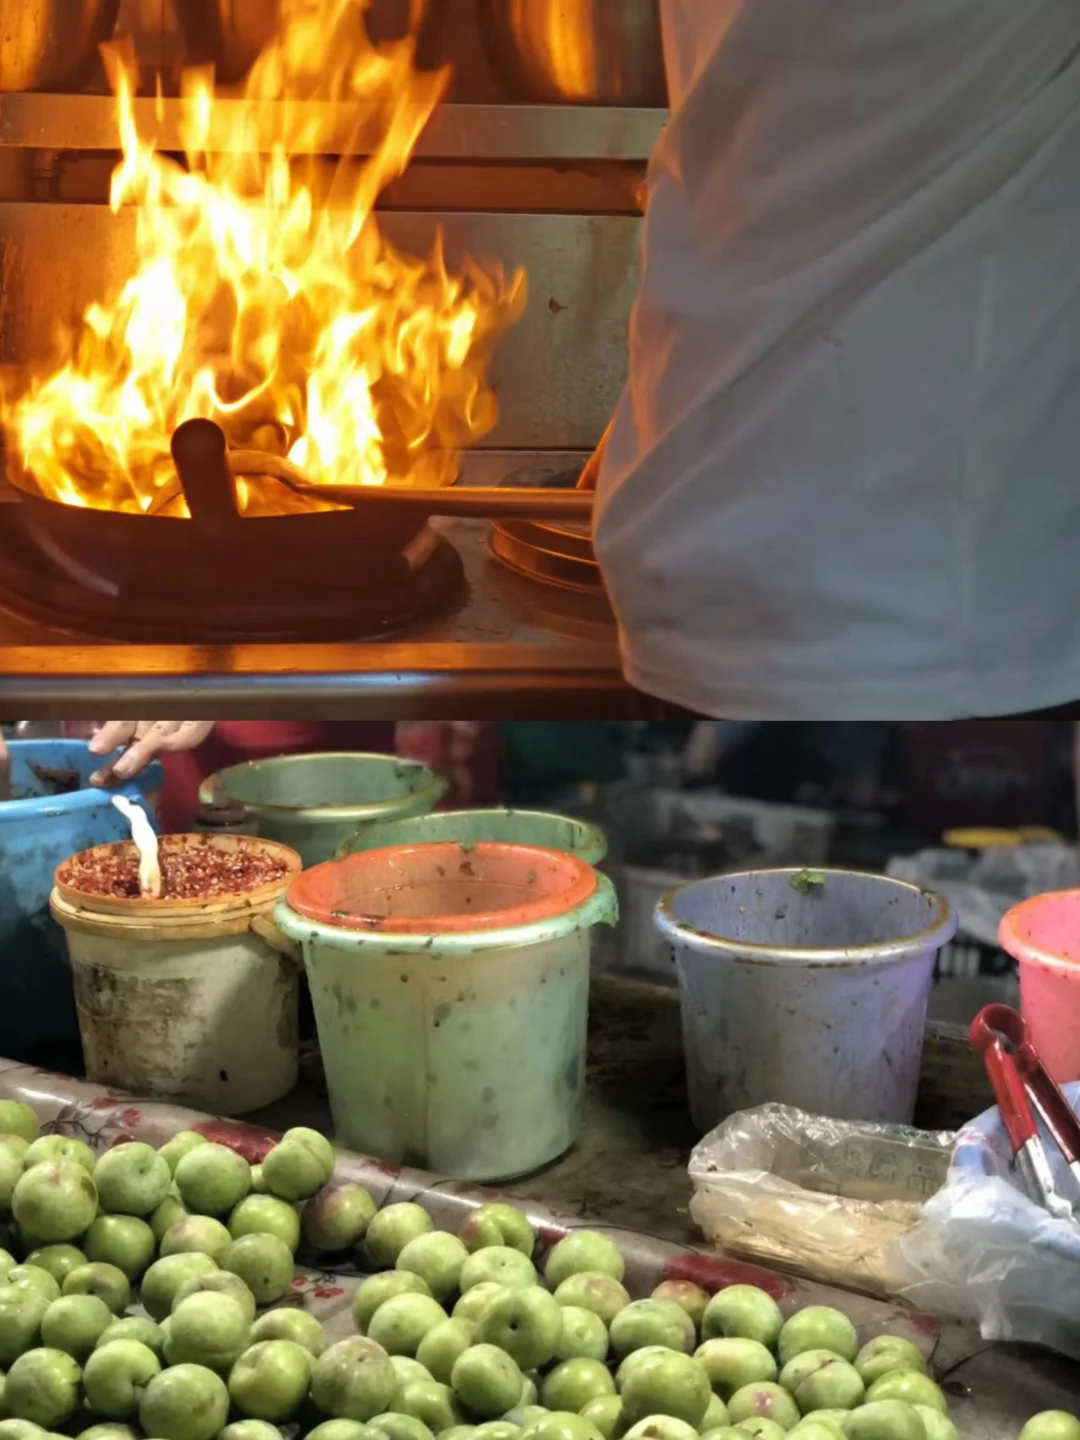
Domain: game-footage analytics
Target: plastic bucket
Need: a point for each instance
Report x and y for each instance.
(38, 829)
(806, 988)
(186, 999)
(468, 827)
(313, 803)
(450, 985)
(1043, 935)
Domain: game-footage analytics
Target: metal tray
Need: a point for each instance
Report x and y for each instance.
(992, 1390)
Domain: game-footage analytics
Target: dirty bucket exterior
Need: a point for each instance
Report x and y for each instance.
(1043, 935)
(185, 1011)
(805, 988)
(313, 803)
(461, 1053)
(513, 827)
(38, 1024)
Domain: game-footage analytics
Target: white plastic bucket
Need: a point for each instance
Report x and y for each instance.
(189, 1000)
(805, 988)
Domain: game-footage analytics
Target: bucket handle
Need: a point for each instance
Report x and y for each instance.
(266, 929)
(214, 796)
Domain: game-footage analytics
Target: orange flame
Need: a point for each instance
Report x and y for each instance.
(267, 301)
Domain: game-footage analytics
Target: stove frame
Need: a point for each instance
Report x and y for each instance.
(555, 188)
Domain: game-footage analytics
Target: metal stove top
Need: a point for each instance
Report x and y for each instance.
(514, 647)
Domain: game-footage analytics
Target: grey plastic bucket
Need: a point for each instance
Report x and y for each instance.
(805, 988)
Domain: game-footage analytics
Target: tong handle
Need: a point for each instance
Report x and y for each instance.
(1057, 1113)
(1012, 1097)
(994, 1028)
(996, 1023)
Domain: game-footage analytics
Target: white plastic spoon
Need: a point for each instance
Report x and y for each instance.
(142, 833)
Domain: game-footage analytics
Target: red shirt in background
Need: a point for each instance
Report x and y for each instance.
(468, 752)
(234, 741)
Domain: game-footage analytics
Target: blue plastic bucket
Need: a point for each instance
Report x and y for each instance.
(38, 830)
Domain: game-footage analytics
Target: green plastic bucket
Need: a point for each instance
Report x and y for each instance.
(511, 827)
(450, 985)
(314, 802)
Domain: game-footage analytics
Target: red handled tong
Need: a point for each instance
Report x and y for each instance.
(1020, 1080)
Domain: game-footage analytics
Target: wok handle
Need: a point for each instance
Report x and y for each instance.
(511, 503)
(471, 502)
(475, 502)
(200, 453)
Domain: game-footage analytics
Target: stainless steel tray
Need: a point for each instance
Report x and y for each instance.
(993, 1391)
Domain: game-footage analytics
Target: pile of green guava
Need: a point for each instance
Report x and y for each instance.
(151, 1298)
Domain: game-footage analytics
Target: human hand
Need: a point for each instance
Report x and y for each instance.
(141, 742)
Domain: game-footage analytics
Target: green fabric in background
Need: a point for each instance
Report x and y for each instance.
(546, 759)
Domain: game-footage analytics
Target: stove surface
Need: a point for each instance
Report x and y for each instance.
(514, 647)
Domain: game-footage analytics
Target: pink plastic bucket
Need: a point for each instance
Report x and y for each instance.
(1043, 934)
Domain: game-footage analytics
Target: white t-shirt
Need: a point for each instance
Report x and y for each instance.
(844, 480)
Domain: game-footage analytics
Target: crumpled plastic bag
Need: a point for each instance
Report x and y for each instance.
(981, 888)
(826, 1198)
(985, 1253)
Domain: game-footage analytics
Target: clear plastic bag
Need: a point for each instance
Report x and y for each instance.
(825, 1198)
(985, 1253)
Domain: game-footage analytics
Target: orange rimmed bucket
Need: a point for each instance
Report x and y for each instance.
(443, 888)
(450, 984)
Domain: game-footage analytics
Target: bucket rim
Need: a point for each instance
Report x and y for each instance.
(592, 851)
(428, 796)
(87, 797)
(601, 907)
(937, 933)
(102, 907)
(207, 925)
(1025, 951)
(575, 881)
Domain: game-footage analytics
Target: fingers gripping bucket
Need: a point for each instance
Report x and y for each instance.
(809, 989)
(314, 803)
(450, 985)
(1043, 935)
(187, 999)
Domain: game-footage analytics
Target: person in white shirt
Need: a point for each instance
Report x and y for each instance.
(844, 479)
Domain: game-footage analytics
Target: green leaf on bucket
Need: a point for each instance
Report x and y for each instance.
(808, 882)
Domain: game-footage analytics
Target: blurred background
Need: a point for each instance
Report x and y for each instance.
(984, 811)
